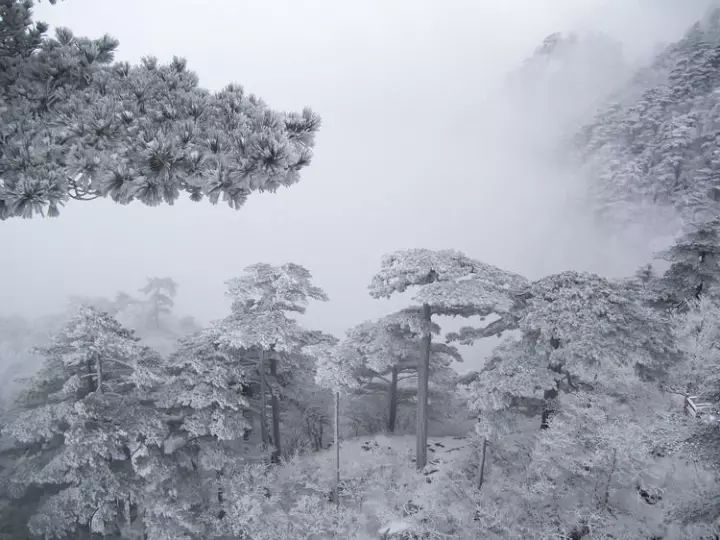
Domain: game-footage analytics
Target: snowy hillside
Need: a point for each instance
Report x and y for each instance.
(659, 148)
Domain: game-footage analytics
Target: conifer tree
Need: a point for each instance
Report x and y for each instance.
(259, 325)
(203, 402)
(588, 359)
(160, 293)
(694, 264)
(82, 419)
(449, 283)
(582, 331)
(698, 336)
(381, 355)
(74, 125)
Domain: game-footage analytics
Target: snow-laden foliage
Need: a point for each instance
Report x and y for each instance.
(264, 287)
(337, 366)
(260, 297)
(698, 335)
(283, 503)
(578, 331)
(584, 372)
(203, 403)
(450, 282)
(694, 264)
(597, 472)
(75, 125)
(206, 385)
(584, 323)
(403, 269)
(380, 489)
(80, 422)
(262, 330)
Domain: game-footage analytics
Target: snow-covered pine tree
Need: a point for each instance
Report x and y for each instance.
(694, 264)
(160, 293)
(644, 275)
(586, 349)
(698, 336)
(73, 125)
(581, 330)
(382, 356)
(203, 402)
(80, 421)
(696, 377)
(448, 283)
(259, 327)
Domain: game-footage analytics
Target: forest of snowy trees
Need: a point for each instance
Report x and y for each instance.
(596, 415)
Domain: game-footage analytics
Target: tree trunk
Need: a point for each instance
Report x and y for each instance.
(482, 463)
(392, 415)
(263, 404)
(275, 404)
(548, 409)
(547, 412)
(99, 373)
(220, 495)
(337, 449)
(128, 518)
(88, 365)
(606, 496)
(422, 394)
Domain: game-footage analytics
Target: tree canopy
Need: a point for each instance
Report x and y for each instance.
(75, 125)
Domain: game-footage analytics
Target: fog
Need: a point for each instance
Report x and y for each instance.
(409, 154)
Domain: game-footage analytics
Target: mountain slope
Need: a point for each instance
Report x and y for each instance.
(658, 143)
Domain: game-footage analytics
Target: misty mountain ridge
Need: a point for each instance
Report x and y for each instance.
(653, 147)
(561, 85)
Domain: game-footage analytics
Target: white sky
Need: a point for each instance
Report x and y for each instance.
(397, 164)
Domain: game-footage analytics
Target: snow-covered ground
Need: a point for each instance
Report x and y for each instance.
(381, 484)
